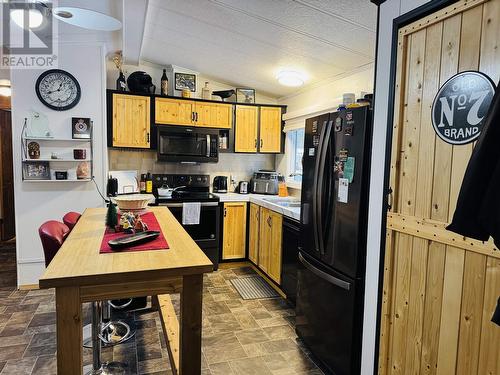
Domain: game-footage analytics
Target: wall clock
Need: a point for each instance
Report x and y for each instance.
(58, 89)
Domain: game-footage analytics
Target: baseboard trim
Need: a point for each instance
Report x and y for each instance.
(30, 260)
(28, 287)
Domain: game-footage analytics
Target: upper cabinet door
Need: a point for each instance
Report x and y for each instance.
(270, 129)
(246, 125)
(213, 115)
(174, 112)
(131, 121)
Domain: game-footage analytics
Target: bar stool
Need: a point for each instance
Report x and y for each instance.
(71, 218)
(112, 332)
(52, 235)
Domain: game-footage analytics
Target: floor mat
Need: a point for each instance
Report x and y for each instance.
(253, 287)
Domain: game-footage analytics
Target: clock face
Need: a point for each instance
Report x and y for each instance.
(58, 89)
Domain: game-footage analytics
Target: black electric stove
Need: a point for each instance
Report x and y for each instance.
(193, 188)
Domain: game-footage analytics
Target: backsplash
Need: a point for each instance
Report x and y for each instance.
(240, 166)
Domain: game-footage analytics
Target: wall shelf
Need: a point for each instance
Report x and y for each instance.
(64, 148)
(56, 139)
(72, 180)
(59, 160)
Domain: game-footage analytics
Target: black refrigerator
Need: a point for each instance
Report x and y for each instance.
(332, 247)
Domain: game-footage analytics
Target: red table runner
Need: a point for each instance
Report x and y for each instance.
(149, 218)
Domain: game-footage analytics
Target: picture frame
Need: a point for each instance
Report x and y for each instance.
(81, 128)
(185, 80)
(245, 95)
(36, 170)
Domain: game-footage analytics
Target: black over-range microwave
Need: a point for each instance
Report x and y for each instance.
(188, 144)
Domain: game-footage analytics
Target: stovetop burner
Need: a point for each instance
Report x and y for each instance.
(192, 188)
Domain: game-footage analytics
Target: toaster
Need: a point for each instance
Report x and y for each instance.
(265, 182)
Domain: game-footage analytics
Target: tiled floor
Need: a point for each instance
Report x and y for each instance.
(239, 337)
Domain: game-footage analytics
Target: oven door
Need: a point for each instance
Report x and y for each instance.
(185, 144)
(206, 233)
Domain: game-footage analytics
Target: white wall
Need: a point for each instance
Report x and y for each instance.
(38, 202)
(388, 11)
(318, 99)
(328, 94)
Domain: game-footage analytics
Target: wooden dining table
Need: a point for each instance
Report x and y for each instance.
(79, 273)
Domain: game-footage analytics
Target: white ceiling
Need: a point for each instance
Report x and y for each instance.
(246, 42)
(67, 32)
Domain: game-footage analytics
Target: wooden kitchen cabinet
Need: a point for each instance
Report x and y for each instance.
(234, 230)
(131, 118)
(246, 128)
(170, 111)
(213, 115)
(174, 112)
(253, 233)
(270, 237)
(270, 129)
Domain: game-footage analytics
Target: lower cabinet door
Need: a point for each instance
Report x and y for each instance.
(253, 233)
(264, 238)
(274, 268)
(234, 231)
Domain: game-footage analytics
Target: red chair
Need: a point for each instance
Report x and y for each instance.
(70, 219)
(52, 233)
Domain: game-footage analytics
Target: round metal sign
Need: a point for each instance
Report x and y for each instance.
(460, 107)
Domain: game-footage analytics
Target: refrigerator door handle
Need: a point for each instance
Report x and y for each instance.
(320, 191)
(332, 279)
(317, 171)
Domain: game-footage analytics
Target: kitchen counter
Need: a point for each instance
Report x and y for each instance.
(263, 200)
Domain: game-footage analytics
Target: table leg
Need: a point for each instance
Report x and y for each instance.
(96, 331)
(190, 325)
(69, 331)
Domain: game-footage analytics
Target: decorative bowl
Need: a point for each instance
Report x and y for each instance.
(132, 202)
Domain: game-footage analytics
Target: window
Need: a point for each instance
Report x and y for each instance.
(295, 151)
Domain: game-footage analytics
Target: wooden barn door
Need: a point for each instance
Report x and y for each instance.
(440, 289)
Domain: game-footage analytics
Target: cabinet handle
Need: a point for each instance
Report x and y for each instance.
(147, 138)
(255, 142)
(261, 143)
(225, 212)
(192, 116)
(270, 221)
(196, 116)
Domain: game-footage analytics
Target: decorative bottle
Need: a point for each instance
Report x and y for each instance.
(164, 83)
(121, 84)
(205, 92)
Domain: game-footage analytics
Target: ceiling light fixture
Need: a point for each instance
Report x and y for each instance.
(35, 18)
(87, 19)
(290, 78)
(5, 89)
